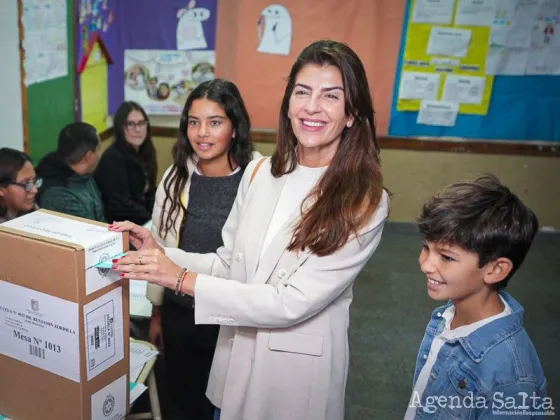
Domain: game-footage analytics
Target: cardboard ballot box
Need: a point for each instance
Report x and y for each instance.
(64, 323)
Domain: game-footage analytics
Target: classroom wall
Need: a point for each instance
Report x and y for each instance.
(373, 28)
(11, 119)
(164, 145)
(412, 176)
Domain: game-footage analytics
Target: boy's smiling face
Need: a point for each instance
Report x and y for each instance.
(453, 272)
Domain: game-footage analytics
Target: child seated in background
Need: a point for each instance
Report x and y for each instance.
(476, 359)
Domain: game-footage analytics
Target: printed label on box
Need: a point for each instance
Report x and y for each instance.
(109, 403)
(40, 329)
(105, 248)
(103, 320)
(99, 243)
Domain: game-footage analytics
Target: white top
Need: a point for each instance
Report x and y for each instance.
(234, 171)
(298, 185)
(446, 335)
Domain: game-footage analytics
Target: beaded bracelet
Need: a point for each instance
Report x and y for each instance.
(180, 279)
(181, 284)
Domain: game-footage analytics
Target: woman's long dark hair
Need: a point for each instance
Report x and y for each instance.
(11, 162)
(147, 151)
(349, 192)
(228, 97)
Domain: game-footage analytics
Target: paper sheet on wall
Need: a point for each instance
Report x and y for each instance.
(433, 11)
(418, 85)
(545, 34)
(506, 61)
(449, 41)
(505, 9)
(460, 51)
(543, 61)
(475, 12)
(548, 9)
(516, 32)
(274, 29)
(464, 89)
(438, 113)
(190, 30)
(45, 40)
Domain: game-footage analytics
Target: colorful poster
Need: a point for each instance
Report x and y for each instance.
(45, 40)
(93, 16)
(455, 52)
(167, 25)
(160, 81)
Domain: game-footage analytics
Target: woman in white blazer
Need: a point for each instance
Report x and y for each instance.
(303, 225)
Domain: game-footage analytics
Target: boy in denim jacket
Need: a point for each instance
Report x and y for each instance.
(476, 360)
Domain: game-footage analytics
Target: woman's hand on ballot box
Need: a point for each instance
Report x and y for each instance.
(140, 237)
(150, 262)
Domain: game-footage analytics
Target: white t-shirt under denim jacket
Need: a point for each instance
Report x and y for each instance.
(486, 369)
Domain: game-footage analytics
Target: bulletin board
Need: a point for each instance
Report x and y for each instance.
(161, 50)
(47, 105)
(520, 108)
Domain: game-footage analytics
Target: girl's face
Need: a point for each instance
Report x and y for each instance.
(15, 196)
(209, 130)
(135, 128)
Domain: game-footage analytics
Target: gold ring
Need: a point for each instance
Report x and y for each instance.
(132, 266)
(140, 256)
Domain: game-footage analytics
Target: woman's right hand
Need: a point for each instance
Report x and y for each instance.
(155, 333)
(140, 237)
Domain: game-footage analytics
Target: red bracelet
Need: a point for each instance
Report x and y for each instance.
(179, 281)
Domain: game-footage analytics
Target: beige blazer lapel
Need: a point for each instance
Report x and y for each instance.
(266, 192)
(276, 248)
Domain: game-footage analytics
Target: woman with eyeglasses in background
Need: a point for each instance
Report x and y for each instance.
(18, 184)
(127, 172)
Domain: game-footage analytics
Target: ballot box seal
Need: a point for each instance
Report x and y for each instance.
(108, 405)
(103, 272)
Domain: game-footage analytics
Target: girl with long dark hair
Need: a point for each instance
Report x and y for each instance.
(193, 201)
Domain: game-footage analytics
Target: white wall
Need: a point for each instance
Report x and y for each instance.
(11, 120)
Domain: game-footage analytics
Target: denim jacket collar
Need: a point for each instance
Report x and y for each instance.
(478, 343)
